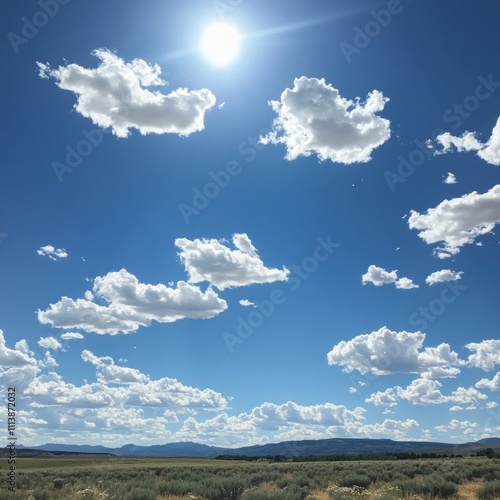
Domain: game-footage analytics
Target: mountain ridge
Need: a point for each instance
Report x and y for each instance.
(318, 447)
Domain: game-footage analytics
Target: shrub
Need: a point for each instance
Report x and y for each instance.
(226, 489)
(41, 495)
(58, 483)
(489, 491)
(408, 487)
(140, 494)
(350, 479)
(436, 486)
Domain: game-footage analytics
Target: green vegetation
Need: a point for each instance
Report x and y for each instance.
(207, 479)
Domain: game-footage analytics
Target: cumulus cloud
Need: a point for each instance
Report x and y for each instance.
(397, 429)
(72, 336)
(425, 391)
(313, 118)
(450, 179)
(115, 95)
(389, 397)
(108, 372)
(486, 354)
(136, 389)
(492, 385)
(212, 261)
(246, 303)
(131, 304)
(458, 221)
(442, 276)
(49, 343)
(52, 252)
(384, 351)
(468, 141)
(291, 421)
(18, 367)
(270, 416)
(379, 276)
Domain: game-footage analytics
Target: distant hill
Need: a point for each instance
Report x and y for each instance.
(318, 447)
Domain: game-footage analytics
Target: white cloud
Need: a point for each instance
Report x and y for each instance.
(72, 336)
(442, 276)
(465, 424)
(425, 391)
(210, 260)
(49, 343)
(14, 357)
(52, 252)
(246, 303)
(486, 354)
(221, 430)
(270, 416)
(492, 385)
(17, 366)
(458, 221)
(384, 351)
(491, 404)
(131, 304)
(388, 397)
(450, 179)
(489, 151)
(108, 372)
(464, 395)
(405, 284)
(313, 118)
(379, 276)
(115, 95)
(397, 429)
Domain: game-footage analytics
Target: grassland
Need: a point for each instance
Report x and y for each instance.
(207, 479)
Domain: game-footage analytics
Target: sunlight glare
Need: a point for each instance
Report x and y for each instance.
(220, 43)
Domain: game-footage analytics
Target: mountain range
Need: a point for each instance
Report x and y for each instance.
(318, 447)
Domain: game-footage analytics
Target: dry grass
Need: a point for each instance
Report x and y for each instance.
(467, 491)
(318, 495)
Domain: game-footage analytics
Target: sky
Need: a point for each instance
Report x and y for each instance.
(289, 233)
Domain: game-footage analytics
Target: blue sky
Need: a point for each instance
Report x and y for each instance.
(298, 243)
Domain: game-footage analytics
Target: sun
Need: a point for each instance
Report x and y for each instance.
(220, 43)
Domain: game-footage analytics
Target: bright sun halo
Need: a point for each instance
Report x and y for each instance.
(220, 43)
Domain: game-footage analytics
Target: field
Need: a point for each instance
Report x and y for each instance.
(207, 479)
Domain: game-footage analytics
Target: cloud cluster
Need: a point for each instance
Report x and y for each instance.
(17, 366)
(425, 391)
(115, 95)
(52, 252)
(486, 354)
(459, 221)
(384, 352)
(212, 261)
(442, 276)
(379, 276)
(313, 118)
(130, 304)
(468, 141)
